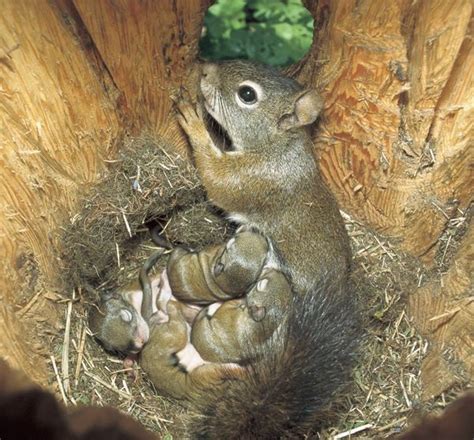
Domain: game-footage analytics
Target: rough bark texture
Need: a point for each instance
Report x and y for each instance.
(56, 124)
(75, 75)
(444, 314)
(398, 120)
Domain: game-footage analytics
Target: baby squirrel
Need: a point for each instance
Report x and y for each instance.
(218, 272)
(117, 321)
(120, 321)
(264, 175)
(173, 364)
(224, 333)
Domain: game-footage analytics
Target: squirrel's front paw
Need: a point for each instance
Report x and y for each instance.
(189, 119)
(193, 126)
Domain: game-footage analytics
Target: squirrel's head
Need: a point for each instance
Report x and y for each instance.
(271, 292)
(240, 262)
(118, 326)
(253, 103)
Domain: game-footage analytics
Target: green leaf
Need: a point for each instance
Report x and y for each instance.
(284, 30)
(277, 32)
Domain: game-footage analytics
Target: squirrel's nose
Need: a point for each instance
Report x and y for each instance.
(208, 70)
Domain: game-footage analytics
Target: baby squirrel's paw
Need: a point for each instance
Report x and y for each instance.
(189, 359)
(130, 364)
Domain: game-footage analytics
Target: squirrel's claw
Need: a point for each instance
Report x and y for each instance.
(192, 125)
(186, 110)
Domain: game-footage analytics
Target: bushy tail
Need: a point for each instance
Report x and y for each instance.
(296, 374)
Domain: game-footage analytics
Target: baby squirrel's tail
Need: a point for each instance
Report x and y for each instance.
(296, 374)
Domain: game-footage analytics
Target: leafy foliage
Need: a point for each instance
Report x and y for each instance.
(277, 32)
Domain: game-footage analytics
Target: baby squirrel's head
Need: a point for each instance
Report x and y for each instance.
(269, 296)
(118, 326)
(240, 262)
(253, 103)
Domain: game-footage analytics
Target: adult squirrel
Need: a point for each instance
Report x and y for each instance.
(264, 175)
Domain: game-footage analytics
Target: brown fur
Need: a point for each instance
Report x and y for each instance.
(158, 360)
(292, 376)
(268, 179)
(225, 336)
(456, 423)
(272, 179)
(218, 272)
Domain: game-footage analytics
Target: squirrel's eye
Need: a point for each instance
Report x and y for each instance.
(247, 95)
(126, 315)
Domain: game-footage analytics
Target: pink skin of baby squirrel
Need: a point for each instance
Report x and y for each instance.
(189, 359)
(162, 294)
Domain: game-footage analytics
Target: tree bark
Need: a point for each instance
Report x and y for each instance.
(398, 121)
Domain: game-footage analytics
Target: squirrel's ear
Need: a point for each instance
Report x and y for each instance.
(306, 110)
(257, 312)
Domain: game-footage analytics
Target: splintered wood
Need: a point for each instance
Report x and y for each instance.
(443, 312)
(147, 48)
(55, 126)
(397, 125)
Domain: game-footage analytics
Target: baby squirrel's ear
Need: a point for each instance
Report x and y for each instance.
(257, 313)
(106, 296)
(306, 110)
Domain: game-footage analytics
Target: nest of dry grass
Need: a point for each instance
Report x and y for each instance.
(145, 186)
(108, 241)
(104, 246)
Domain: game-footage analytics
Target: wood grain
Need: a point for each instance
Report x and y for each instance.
(56, 125)
(396, 132)
(149, 48)
(395, 138)
(444, 313)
